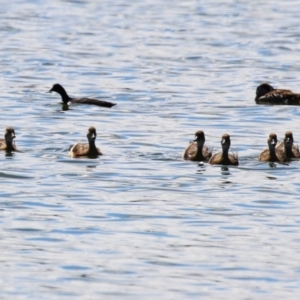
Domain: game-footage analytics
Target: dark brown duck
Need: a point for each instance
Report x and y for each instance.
(224, 158)
(7, 143)
(66, 99)
(266, 94)
(290, 150)
(196, 151)
(84, 149)
(272, 153)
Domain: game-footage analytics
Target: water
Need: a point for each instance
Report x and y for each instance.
(139, 222)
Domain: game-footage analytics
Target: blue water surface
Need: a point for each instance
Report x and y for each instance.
(139, 222)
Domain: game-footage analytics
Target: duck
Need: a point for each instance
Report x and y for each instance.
(8, 142)
(196, 151)
(266, 94)
(67, 100)
(287, 145)
(84, 149)
(223, 158)
(272, 153)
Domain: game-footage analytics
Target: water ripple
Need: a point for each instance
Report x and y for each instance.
(138, 222)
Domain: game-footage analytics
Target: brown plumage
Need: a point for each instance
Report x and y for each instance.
(8, 142)
(66, 99)
(223, 158)
(266, 94)
(90, 149)
(196, 151)
(272, 153)
(287, 145)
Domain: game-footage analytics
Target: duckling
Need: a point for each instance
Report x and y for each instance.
(8, 143)
(290, 150)
(90, 149)
(266, 94)
(66, 99)
(272, 153)
(223, 158)
(196, 151)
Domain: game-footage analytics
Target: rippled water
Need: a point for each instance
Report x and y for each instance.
(139, 222)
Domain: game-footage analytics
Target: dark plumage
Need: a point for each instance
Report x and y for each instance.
(290, 150)
(8, 142)
(266, 94)
(90, 149)
(272, 153)
(66, 99)
(196, 151)
(223, 158)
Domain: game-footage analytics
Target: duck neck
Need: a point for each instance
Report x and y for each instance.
(199, 155)
(288, 150)
(92, 145)
(200, 146)
(225, 151)
(9, 146)
(64, 96)
(272, 150)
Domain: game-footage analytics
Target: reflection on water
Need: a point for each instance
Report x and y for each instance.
(65, 107)
(225, 170)
(9, 154)
(139, 222)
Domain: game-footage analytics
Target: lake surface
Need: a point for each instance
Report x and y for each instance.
(139, 222)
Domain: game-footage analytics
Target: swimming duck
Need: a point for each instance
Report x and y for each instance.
(223, 158)
(290, 150)
(266, 94)
(7, 143)
(90, 149)
(272, 153)
(66, 99)
(195, 151)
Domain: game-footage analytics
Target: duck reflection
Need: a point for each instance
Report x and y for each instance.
(225, 170)
(65, 107)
